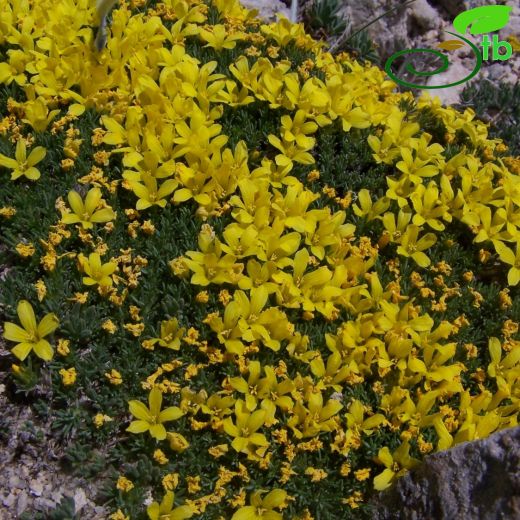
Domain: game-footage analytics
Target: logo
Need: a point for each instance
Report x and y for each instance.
(480, 20)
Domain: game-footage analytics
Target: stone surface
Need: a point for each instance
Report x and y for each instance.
(32, 479)
(477, 480)
(267, 9)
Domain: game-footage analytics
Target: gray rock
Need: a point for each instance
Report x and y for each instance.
(36, 487)
(16, 482)
(267, 10)
(44, 504)
(477, 480)
(424, 15)
(9, 500)
(21, 504)
(80, 500)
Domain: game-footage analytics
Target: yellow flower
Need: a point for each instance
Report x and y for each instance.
(124, 484)
(119, 515)
(499, 366)
(149, 193)
(114, 377)
(508, 256)
(7, 211)
(41, 289)
(171, 335)
(218, 451)
(23, 165)
(309, 422)
(262, 508)
(217, 37)
(396, 465)
(37, 114)
(109, 326)
(151, 419)
(30, 337)
(63, 347)
(97, 272)
(428, 207)
(85, 213)
(193, 484)
(362, 474)
(25, 250)
(177, 441)
(165, 509)
(68, 376)
(410, 246)
(100, 419)
(160, 457)
(244, 433)
(170, 481)
(367, 209)
(316, 474)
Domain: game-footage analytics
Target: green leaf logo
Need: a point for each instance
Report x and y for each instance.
(487, 18)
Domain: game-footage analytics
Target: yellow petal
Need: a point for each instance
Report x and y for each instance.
(43, 350)
(70, 218)
(21, 351)
(513, 277)
(76, 109)
(103, 215)
(37, 154)
(155, 400)
(138, 427)
(330, 409)
(158, 431)
(95, 261)
(383, 480)
(495, 350)
(170, 414)
(180, 513)
(139, 410)
(167, 501)
(76, 203)
(27, 318)
(245, 513)
(92, 200)
(20, 153)
(274, 499)
(153, 510)
(7, 162)
(13, 332)
(32, 174)
(48, 324)
(385, 456)
(256, 420)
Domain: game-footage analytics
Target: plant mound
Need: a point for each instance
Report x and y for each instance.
(246, 279)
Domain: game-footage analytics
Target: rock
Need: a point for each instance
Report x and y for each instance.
(390, 33)
(80, 500)
(36, 488)
(16, 482)
(44, 504)
(477, 480)
(9, 500)
(267, 10)
(456, 71)
(21, 504)
(424, 15)
(56, 496)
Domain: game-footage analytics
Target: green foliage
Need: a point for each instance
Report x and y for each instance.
(322, 18)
